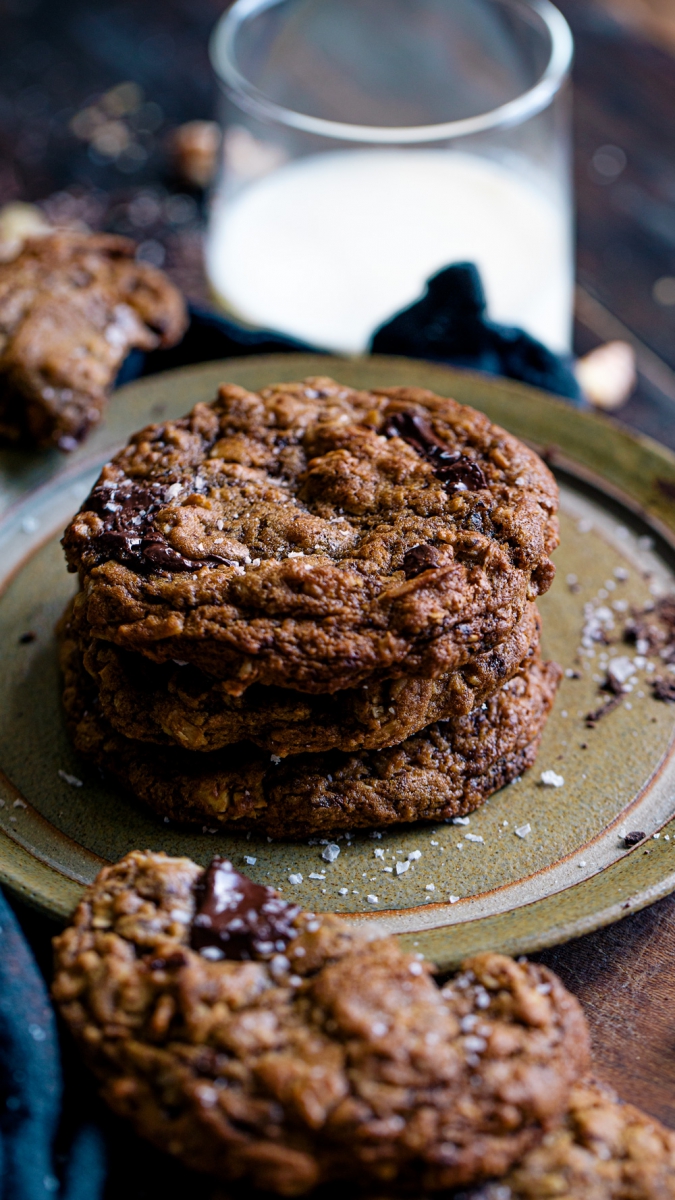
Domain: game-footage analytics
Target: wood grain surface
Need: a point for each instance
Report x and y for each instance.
(625, 978)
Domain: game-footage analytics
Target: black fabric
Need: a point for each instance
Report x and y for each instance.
(448, 325)
(33, 1166)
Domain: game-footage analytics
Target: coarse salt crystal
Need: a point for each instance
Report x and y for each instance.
(276, 759)
(251, 861)
(330, 853)
(378, 853)
(295, 878)
(343, 892)
(454, 899)
(523, 830)
(415, 968)
(372, 899)
(313, 875)
(402, 867)
(473, 837)
(71, 779)
(414, 855)
(621, 669)
(550, 779)
(430, 887)
(461, 820)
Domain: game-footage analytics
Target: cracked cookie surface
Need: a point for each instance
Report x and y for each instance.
(445, 770)
(313, 537)
(338, 1057)
(72, 306)
(176, 705)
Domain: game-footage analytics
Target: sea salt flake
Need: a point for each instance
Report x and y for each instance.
(250, 860)
(372, 899)
(621, 669)
(473, 837)
(313, 875)
(454, 899)
(295, 878)
(402, 867)
(461, 820)
(550, 779)
(378, 853)
(71, 779)
(330, 853)
(523, 830)
(343, 892)
(430, 887)
(414, 855)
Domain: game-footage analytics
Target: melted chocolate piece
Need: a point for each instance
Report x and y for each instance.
(419, 559)
(634, 838)
(457, 472)
(127, 510)
(238, 917)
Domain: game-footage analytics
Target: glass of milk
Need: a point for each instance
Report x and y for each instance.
(368, 144)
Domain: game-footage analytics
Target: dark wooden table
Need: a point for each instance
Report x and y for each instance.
(56, 54)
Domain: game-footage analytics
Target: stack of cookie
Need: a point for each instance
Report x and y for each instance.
(311, 609)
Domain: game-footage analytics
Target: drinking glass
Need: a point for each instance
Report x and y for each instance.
(369, 143)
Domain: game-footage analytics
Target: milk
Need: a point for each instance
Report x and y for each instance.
(328, 247)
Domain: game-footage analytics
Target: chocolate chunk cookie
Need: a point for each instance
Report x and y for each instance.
(446, 770)
(180, 705)
(255, 1042)
(312, 537)
(604, 1150)
(71, 308)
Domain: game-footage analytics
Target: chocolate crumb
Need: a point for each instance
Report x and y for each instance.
(26, 638)
(633, 838)
(592, 718)
(584, 746)
(664, 689)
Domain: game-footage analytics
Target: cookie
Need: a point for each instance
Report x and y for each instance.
(256, 1042)
(312, 537)
(446, 770)
(179, 705)
(72, 306)
(604, 1150)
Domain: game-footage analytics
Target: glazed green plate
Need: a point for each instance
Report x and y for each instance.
(537, 864)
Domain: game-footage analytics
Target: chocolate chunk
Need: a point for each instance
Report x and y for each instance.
(419, 559)
(238, 917)
(457, 472)
(127, 510)
(634, 838)
(664, 689)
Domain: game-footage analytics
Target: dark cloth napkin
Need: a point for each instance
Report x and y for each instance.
(448, 325)
(49, 1153)
(33, 1163)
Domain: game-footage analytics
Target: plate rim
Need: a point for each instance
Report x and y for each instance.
(626, 885)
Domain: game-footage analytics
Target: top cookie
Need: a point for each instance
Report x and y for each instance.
(72, 305)
(311, 535)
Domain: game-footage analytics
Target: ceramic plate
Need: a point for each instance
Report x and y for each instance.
(536, 865)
